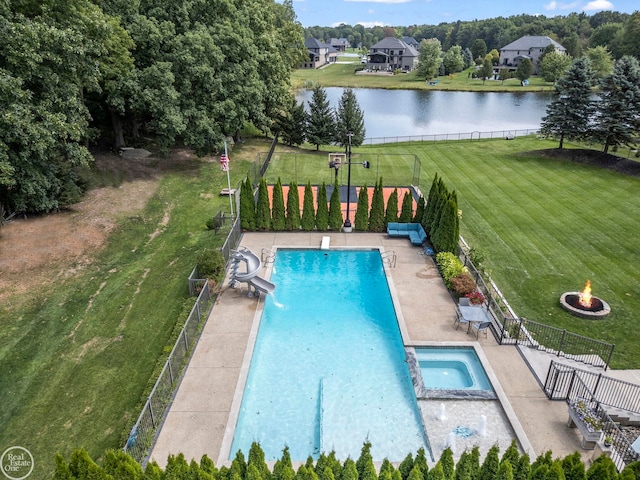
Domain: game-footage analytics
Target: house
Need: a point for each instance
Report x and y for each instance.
(391, 54)
(411, 41)
(340, 44)
(530, 47)
(320, 53)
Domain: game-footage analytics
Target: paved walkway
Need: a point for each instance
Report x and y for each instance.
(197, 422)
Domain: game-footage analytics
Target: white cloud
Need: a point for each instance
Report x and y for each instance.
(372, 24)
(598, 5)
(371, 11)
(553, 5)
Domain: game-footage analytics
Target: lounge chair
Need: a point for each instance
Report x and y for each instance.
(480, 327)
(460, 320)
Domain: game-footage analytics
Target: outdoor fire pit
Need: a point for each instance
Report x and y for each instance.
(584, 305)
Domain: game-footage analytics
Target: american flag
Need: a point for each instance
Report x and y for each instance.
(224, 162)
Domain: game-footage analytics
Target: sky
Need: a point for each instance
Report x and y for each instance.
(327, 13)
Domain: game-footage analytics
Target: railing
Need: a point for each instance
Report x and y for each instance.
(143, 433)
(267, 256)
(451, 137)
(233, 239)
(511, 330)
(601, 394)
(389, 258)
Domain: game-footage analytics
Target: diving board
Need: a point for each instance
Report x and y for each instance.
(325, 243)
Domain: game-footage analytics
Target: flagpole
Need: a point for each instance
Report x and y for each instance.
(231, 196)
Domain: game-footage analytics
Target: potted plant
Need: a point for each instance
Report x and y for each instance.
(608, 440)
(585, 417)
(475, 298)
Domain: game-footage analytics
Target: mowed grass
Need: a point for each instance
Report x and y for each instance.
(77, 358)
(545, 225)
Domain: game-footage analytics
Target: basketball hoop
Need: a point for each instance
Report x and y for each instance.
(337, 159)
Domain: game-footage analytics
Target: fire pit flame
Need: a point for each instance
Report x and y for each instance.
(585, 295)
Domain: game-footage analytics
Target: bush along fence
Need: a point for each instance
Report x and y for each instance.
(611, 407)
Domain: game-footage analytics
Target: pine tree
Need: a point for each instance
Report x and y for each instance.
(489, 468)
(321, 122)
(573, 467)
(386, 468)
(291, 125)
(308, 222)
(257, 460)
(278, 216)
(406, 466)
(361, 222)
(463, 467)
(555, 472)
(505, 471)
(421, 461)
(619, 105)
(511, 454)
(376, 216)
(349, 121)
(406, 212)
(521, 472)
(416, 474)
(569, 114)
(293, 208)
(349, 470)
(430, 206)
(436, 473)
(247, 206)
(474, 462)
(364, 459)
(263, 213)
(448, 464)
(391, 215)
(322, 212)
(335, 211)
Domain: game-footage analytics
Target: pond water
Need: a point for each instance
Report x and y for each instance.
(389, 113)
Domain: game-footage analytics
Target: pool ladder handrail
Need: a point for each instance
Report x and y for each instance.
(268, 256)
(389, 258)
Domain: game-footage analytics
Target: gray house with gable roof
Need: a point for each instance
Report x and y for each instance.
(391, 54)
(530, 47)
(319, 52)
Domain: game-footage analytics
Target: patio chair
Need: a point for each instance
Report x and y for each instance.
(480, 327)
(460, 320)
(464, 301)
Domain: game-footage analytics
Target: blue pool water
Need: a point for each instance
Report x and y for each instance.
(328, 370)
(452, 369)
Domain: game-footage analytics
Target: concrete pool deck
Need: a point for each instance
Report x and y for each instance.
(198, 420)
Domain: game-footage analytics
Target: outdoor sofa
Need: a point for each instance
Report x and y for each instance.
(413, 231)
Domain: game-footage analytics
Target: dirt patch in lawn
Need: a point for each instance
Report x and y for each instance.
(594, 157)
(38, 250)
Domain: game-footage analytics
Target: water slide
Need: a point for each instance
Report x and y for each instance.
(250, 276)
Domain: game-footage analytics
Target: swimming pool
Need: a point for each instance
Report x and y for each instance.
(328, 369)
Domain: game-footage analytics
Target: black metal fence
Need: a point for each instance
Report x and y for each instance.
(452, 137)
(511, 330)
(603, 395)
(143, 433)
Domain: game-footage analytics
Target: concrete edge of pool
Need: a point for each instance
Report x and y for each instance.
(502, 399)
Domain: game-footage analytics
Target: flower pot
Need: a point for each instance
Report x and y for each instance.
(589, 436)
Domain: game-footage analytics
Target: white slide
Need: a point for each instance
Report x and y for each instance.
(250, 276)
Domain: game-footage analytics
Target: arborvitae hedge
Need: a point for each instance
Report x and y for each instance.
(417, 218)
(308, 221)
(406, 212)
(427, 214)
(376, 216)
(278, 216)
(322, 212)
(247, 206)
(361, 222)
(263, 210)
(391, 215)
(293, 208)
(335, 209)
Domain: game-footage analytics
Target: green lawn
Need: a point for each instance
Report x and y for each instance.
(546, 225)
(77, 358)
(343, 75)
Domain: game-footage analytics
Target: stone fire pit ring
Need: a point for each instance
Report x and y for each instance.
(594, 314)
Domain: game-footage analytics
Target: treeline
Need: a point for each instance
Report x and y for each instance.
(78, 72)
(510, 466)
(618, 32)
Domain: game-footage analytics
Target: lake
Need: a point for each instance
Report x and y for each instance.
(397, 113)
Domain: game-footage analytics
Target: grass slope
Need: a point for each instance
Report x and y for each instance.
(75, 361)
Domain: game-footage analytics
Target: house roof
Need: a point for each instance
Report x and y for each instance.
(531, 41)
(339, 41)
(395, 43)
(313, 43)
(410, 41)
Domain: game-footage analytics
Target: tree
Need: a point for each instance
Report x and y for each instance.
(308, 221)
(420, 207)
(361, 221)
(494, 56)
(406, 212)
(524, 70)
(479, 49)
(629, 39)
(291, 124)
(322, 211)
(486, 71)
(278, 216)
(601, 61)
(247, 206)
(453, 60)
(320, 127)
(554, 65)
(429, 58)
(293, 208)
(335, 210)
(619, 105)
(349, 121)
(263, 213)
(504, 74)
(376, 214)
(391, 214)
(490, 466)
(569, 113)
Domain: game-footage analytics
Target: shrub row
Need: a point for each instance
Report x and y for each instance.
(511, 466)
